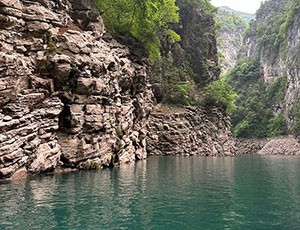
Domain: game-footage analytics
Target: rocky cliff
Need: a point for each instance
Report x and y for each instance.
(189, 65)
(70, 95)
(190, 131)
(186, 68)
(273, 39)
(231, 32)
(198, 40)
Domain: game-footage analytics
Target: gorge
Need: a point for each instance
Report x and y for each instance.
(72, 97)
(149, 114)
(75, 97)
(266, 74)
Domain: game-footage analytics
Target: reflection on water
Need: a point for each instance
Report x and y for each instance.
(246, 192)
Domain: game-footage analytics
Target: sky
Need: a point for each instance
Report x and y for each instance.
(248, 6)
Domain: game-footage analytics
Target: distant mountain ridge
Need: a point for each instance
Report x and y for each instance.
(246, 16)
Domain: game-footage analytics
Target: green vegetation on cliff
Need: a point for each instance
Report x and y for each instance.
(220, 93)
(145, 20)
(180, 70)
(198, 32)
(231, 30)
(294, 114)
(266, 76)
(245, 16)
(229, 21)
(175, 80)
(259, 112)
(189, 65)
(270, 29)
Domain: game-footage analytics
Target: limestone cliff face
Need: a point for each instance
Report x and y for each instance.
(230, 37)
(190, 131)
(70, 95)
(198, 41)
(273, 39)
(292, 66)
(177, 130)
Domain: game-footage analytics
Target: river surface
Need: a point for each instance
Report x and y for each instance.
(244, 192)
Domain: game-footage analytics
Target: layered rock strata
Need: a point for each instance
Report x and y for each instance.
(190, 131)
(70, 95)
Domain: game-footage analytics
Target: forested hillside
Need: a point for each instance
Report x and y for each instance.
(180, 39)
(245, 16)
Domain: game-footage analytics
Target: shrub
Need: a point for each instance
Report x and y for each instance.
(295, 115)
(176, 81)
(276, 126)
(221, 94)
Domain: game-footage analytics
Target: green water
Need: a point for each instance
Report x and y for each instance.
(245, 192)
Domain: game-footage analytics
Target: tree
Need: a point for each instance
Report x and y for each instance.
(221, 94)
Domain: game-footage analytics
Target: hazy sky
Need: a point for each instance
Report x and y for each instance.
(249, 6)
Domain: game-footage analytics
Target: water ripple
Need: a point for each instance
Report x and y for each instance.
(247, 192)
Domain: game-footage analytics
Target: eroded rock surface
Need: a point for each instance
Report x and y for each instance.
(250, 145)
(281, 146)
(190, 131)
(70, 95)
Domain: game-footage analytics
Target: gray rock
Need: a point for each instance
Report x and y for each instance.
(11, 3)
(189, 131)
(7, 118)
(61, 89)
(281, 146)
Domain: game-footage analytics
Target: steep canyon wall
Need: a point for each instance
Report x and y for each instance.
(273, 39)
(70, 95)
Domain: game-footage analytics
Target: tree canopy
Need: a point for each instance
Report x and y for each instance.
(220, 93)
(259, 106)
(145, 20)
